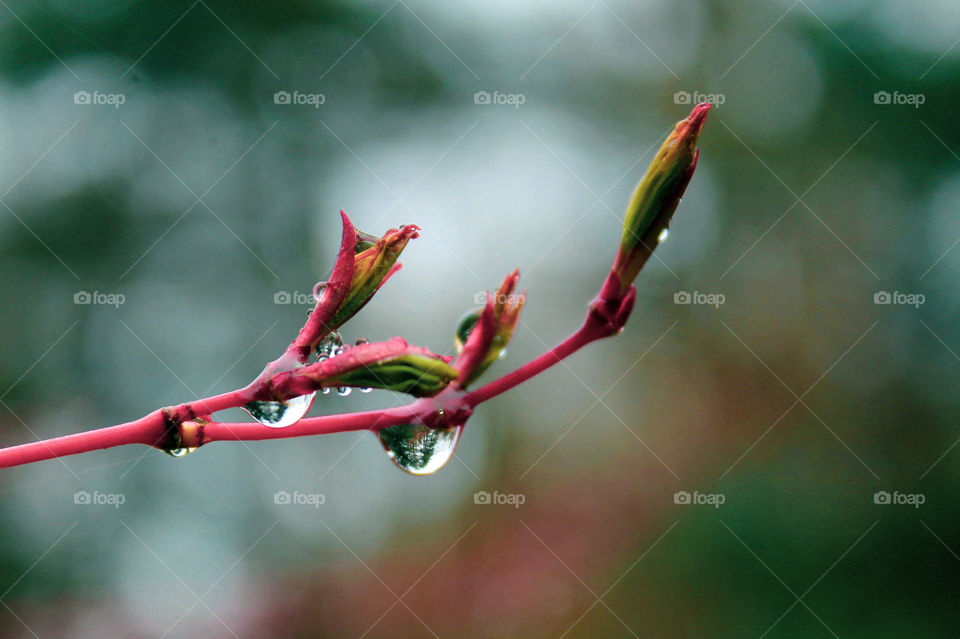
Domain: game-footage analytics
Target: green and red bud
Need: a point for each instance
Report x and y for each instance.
(656, 198)
(375, 262)
(482, 337)
(364, 263)
(392, 365)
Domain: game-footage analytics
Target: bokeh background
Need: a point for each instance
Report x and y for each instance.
(187, 188)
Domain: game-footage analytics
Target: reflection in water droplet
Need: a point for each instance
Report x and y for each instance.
(664, 234)
(330, 346)
(179, 452)
(280, 414)
(465, 326)
(418, 449)
(318, 290)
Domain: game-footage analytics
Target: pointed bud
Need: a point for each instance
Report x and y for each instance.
(364, 263)
(657, 196)
(331, 298)
(375, 261)
(482, 337)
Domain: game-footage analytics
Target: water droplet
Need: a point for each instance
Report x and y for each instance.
(366, 389)
(280, 414)
(465, 326)
(418, 449)
(344, 391)
(330, 346)
(179, 452)
(191, 428)
(664, 234)
(325, 390)
(318, 289)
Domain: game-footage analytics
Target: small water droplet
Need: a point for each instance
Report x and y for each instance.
(325, 390)
(465, 326)
(191, 428)
(179, 452)
(344, 391)
(366, 389)
(318, 289)
(330, 346)
(419, 449)
(361, 341)
(664, 234)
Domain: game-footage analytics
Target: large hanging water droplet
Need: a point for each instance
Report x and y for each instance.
(280, 414)
(664, 234)
(419, 449)
(465, 326)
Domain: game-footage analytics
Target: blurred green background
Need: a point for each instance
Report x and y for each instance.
(185, 181)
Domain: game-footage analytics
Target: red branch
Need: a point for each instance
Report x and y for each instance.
(190, 425)
(451, 404)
